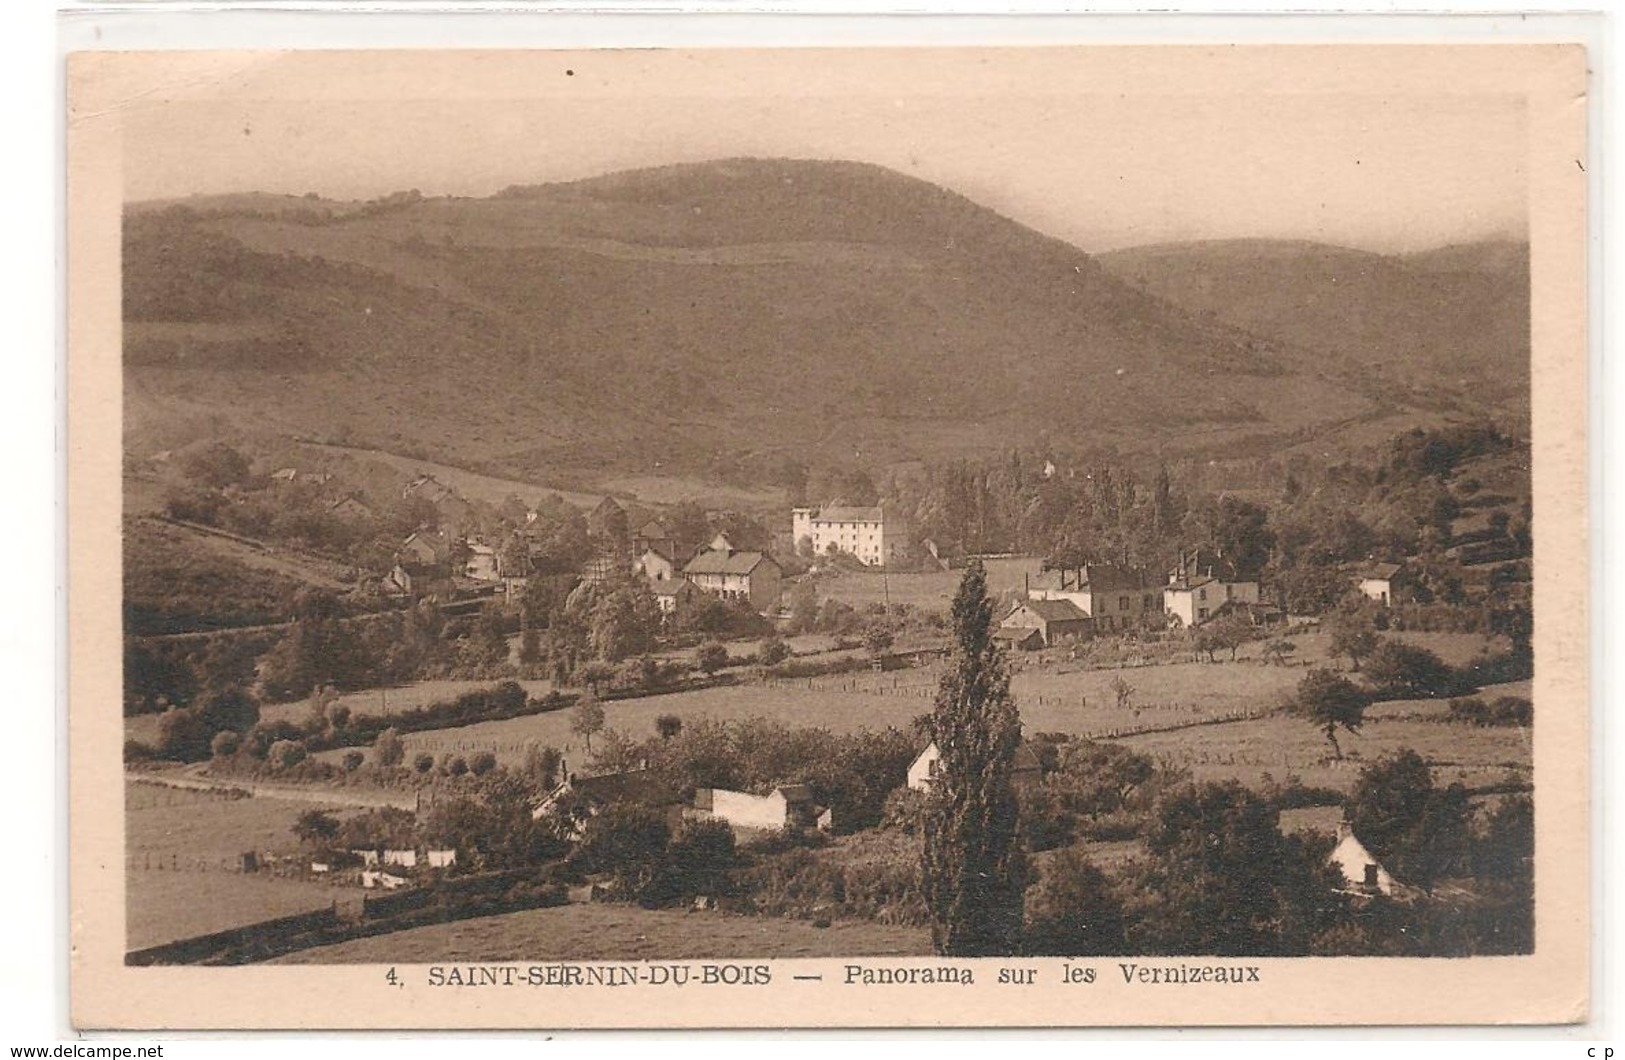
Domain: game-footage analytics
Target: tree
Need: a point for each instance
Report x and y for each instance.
(353, 760)
(1354, 634)
(225, 743)
(1422, 832)
(877, 639)
(1222, 879)
(530, 646)
(773, 651)
(1329, 701)
(1405, 671)
(587, 718)
(804, 606)
(285, 754)
(1122, 691)
(711, 656)
(387, 747)
(215, 465)
(423, 762)
(316, 827)
(974, 871)
(1074, 911)
(668, 726)
(482, 763)
(595, 675)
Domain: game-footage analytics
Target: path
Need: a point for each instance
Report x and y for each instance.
(361, 798)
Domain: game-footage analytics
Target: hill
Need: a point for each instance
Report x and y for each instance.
(1453, 320)
(718, 318)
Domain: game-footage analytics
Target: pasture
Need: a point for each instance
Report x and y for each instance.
(181, 851)
(621, 933)
(928, 591)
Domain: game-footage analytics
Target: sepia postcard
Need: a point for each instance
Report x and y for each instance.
(889, 537)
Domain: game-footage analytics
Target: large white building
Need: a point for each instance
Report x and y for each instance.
(871, 534)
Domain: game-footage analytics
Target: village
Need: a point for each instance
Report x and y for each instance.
(646, 709)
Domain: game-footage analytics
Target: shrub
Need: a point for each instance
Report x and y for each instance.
(457, 766)
(422, 762)
(772, 651)
(388, 749)
(1074, 910)
(285, 754)
(353, 760)
(711, 656)
(1504, 711)
(1404, 671)
(225, 743)
(136, 751)
(482, 763)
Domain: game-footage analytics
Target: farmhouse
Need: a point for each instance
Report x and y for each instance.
(655, 564)
(786, 806)
(1380, 581)
(749, 576)
(453, 509)
(1115, 597)
(1019, 638)
(1202, 584)
(1027, 771)
(1363, 873)
(422, 564)
(655, 535)
(872, 534)
(481, 562)
(1054, 620)
(674, 595)
(583, 798)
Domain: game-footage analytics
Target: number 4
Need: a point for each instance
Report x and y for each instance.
(392, 979)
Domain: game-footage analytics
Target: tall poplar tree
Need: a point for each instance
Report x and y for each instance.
(975, 871)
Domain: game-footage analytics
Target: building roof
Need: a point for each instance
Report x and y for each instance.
(851, 513)
(1110, 578)
(654, 530)
(1054, 610)
(671, 587)
(1015, 634)
(1382, 571)
(1185, 585)
(716, 561)
(795, 792)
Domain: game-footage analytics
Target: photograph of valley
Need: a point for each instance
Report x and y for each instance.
(915, 520)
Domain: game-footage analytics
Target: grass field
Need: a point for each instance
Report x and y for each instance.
(1247, 750)
(625, 933)
(181, 849)
(931, 591)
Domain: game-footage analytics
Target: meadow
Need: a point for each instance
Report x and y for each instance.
(182, 855)
(623, 933)
(928, 591)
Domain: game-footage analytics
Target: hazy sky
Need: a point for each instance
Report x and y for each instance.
(1075, 150)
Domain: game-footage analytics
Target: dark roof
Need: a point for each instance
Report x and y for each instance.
(1110, 578)
(638, 785)
(1015, 633)
(1380, 570)
(1054, 610)
(795, 792)
(851, 513)
(716, 561)
(654, 530)
(671, 587)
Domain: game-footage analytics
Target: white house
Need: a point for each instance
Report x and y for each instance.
(922, 771)
(1114, 597)
(1379, 581)
(786, 806)
(1202, 584)
(870, 533)
(750, 576)
(481, 563)
(1363, 873)
(655, 565)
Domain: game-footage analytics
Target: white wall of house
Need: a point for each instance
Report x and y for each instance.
(924, 768)
(1378, 589)
(750, 811)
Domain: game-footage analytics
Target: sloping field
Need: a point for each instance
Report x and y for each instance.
(181, 858)
(620, 933)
